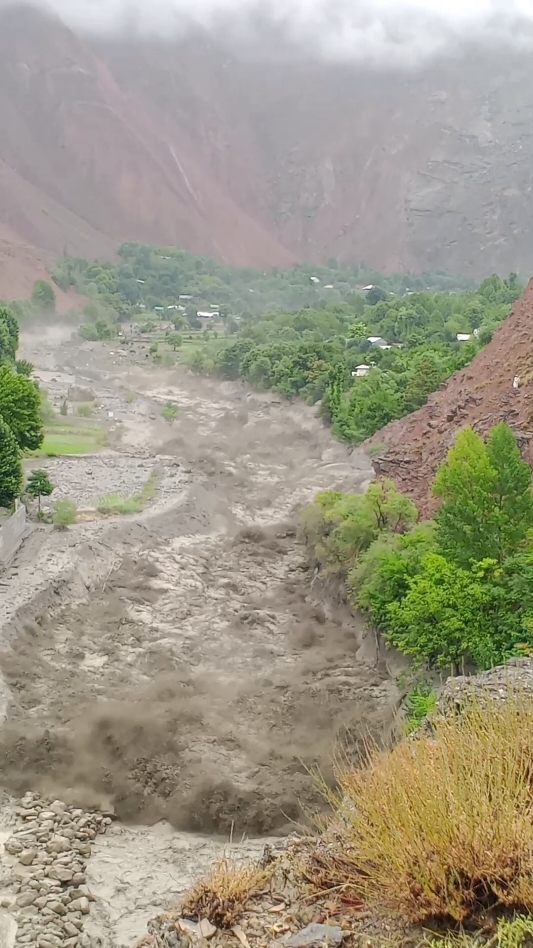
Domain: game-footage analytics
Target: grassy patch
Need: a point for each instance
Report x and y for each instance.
(149, 490)
(441, 827)
(119, 505)
(223, 895)
(170, 412)
(510, 933)
(64, 439)
(373, 450)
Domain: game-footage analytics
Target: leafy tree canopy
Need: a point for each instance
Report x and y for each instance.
(20, 408)
(43, 296)
(10, 466)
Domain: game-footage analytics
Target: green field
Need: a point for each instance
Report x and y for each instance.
(63, 439)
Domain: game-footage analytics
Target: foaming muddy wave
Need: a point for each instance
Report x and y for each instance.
(184, 753)
(200, 686)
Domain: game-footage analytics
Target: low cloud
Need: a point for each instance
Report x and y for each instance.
(382, 31)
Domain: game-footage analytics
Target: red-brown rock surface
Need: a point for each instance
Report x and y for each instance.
(480, 395)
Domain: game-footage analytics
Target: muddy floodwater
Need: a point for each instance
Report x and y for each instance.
(180, 664)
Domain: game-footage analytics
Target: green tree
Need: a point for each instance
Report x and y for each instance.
(358, 330)
(383, 572)
(43, 296)
(39, 485)
(20, 407)
(174, 340)
(23, 367)
(511, 491)
(9, 335)
(10, 466)
(487, 507)
(441, 620)
(466, 531)
(376, 295)
(425, 375)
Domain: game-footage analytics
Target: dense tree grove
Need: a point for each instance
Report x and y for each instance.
(315, 353)
(21, 427)
(451, 592)
(304, 332)
(159, 276)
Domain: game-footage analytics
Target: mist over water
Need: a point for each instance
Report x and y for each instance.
(398, 32)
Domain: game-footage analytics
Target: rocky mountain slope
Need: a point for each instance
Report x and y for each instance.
(262, 162)
(480, 395)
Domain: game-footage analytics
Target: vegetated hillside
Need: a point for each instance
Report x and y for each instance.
(262, 163)
(479, 395)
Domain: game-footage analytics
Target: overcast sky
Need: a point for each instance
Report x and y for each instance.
(379, 30)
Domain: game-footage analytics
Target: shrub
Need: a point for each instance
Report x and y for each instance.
(421, 702)
(48, 415)
(85, 410)
(442, 827)
(170, 412)
(65, 514)
(223, 895)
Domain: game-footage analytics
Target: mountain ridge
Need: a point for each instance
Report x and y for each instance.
(262, 163)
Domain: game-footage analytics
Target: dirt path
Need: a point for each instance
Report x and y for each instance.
(179, 664)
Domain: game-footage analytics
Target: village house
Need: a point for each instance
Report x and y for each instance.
(360, 371)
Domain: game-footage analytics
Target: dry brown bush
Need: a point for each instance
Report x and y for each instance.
(223, 895)
(442, 826)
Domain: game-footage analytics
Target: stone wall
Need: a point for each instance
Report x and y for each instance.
(11, 533)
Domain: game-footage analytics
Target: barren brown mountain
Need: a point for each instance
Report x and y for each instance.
(480, 395)
(262, 162)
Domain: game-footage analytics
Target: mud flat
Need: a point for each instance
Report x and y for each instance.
(181, 667)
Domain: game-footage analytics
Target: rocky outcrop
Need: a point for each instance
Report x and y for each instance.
(480, 395)
(495, 685)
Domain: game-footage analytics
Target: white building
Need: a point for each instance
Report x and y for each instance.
(379, 342)
(463, 337)
(360, 371)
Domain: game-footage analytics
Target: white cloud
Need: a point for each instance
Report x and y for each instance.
(380, 30)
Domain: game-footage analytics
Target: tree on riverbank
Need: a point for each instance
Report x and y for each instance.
(39, 485)
(20, 408)
(10, 466)
(456, 592)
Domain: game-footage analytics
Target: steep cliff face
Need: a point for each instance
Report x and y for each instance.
(86, 164)
(260, 162)
(480, 395)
